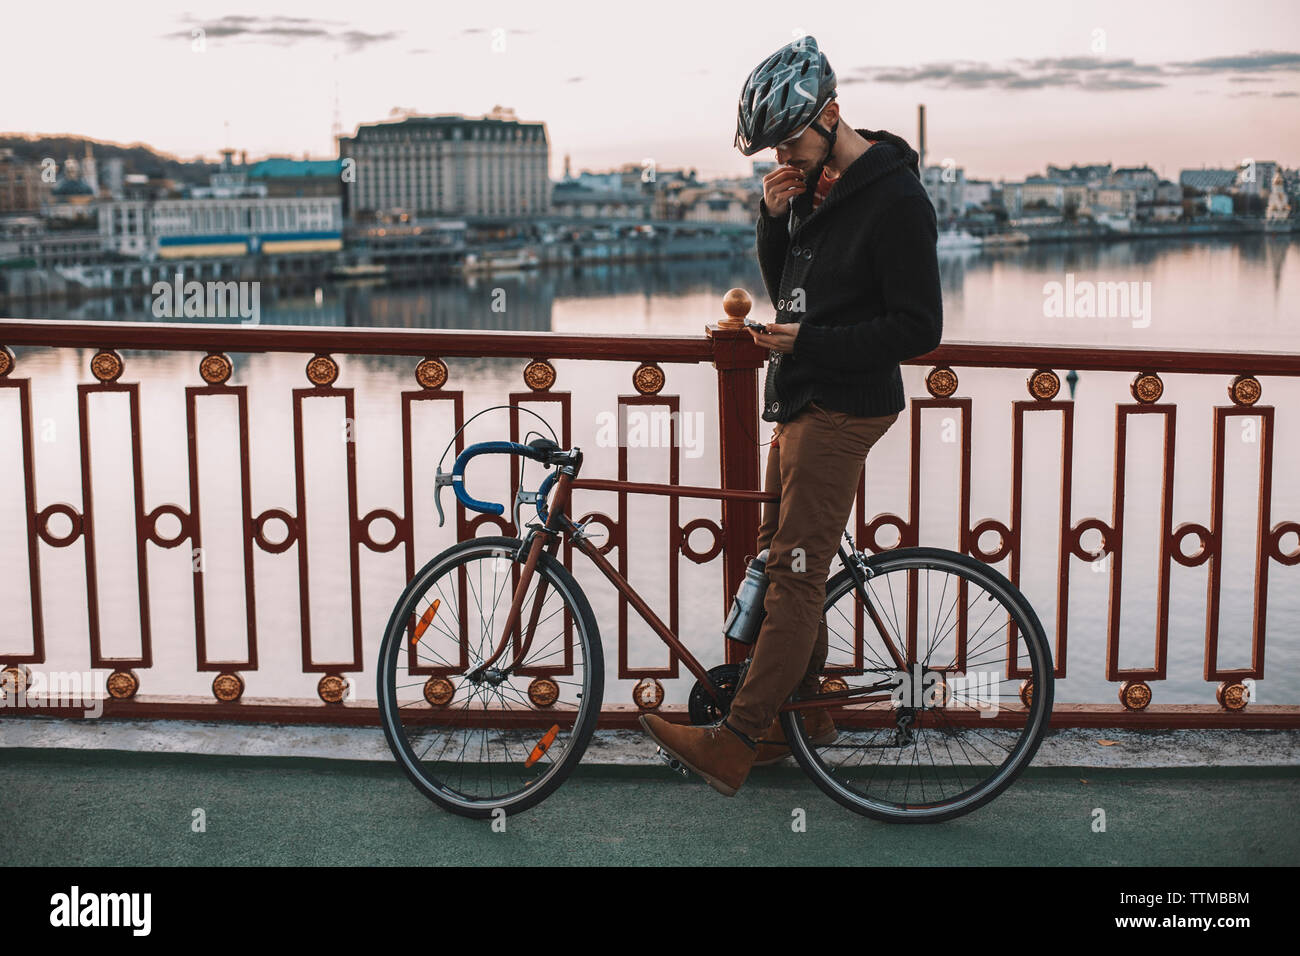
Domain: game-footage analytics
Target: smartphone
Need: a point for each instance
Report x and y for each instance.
(756, 326)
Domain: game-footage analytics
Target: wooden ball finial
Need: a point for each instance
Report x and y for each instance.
(736, 303)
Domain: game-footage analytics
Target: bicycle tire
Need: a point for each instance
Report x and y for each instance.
(1031, 631)
(395, 639)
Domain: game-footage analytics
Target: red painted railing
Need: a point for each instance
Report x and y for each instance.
(737, 362)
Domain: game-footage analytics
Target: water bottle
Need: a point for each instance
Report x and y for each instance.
(747, 611)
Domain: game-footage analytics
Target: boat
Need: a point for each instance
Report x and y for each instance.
(476, 263)
(958, 239)
(1006, 239)
(359, 270)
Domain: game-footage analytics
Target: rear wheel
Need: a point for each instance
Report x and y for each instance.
(475, 739)
(953, 681)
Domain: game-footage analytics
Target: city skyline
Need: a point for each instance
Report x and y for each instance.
(1007, 91)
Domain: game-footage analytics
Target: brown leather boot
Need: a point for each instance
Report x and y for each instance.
(717, 753)
(773, 747)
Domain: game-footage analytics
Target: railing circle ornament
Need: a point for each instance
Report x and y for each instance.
(1147, 388)
(322, 370)
(15, 679)
(1043, 384)
(1135, 694)
(6, 360)
(1275, 543)
(122, 685)
(215, 368)
(1027, 693)
(834, 685)
(228, 688)
(941, 381)
(543, 692)
(439, 691)
(1245, 390)
(1004, 540)
(106, 365)
(648, 378)
(43, 525)
(332, 688)
(539, 375)
(648, 693)
(697, 524)
(1232, 695)
(431, 373)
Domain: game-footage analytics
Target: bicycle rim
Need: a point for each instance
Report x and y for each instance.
(960, 711)
(473, 744)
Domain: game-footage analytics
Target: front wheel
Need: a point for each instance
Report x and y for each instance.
(475, 740)
(944, 682)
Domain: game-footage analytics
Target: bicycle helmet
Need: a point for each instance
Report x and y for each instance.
(784, 96)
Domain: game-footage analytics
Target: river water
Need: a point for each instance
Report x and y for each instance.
(1241, 294)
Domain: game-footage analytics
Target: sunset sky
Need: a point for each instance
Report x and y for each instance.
(1009, 87)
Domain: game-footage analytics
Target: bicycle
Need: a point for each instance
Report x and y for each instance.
(514, 706)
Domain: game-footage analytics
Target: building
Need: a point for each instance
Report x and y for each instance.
(1142, 179)
(1114, 199)
(298, 177)
(705, 204)
(72, 197)
(1279, 207)
(447, 165)
(946, 187)
(1255, 178)
(21, 186)
(1208, 180)
(1090, 175)
(1219, 204)
(188, 228)
(586, 202)
(1036, 192)
(977, 194)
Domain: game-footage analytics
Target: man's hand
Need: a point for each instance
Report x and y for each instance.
(780, 186)
(779, 336)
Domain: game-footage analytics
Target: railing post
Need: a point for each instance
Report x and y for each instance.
(737, 360)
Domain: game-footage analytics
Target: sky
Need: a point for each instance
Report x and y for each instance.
(1008, 87)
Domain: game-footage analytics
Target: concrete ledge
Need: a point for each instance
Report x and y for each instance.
(1062, 748)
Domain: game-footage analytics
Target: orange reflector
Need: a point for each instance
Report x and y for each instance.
(422, 625)
(542, 745)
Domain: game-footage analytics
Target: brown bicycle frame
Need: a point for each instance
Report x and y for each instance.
(548, 538)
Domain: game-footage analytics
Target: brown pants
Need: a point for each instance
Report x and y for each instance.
(815, 463)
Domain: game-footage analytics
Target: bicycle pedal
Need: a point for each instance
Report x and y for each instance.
(673, 762)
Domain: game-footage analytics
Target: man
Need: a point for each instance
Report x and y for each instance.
(846, 243)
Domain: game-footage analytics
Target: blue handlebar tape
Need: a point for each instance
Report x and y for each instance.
(485, 448)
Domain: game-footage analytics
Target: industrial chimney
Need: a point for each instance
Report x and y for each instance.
(920, 136)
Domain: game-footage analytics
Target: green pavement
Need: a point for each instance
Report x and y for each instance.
(66, 807)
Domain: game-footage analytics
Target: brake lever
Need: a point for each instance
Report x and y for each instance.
(439, 482)
(523, 498)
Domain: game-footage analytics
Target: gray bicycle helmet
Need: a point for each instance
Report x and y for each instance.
(784, 96)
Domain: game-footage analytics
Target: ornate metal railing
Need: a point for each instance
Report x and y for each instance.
(737, 362)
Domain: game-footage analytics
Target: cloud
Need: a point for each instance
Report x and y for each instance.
(1253, 62)
(1095, 74)
(280, 31)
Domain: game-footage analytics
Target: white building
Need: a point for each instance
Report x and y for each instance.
(449, 164)
(176, 228)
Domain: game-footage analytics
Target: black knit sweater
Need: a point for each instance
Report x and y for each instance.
(860, 274)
